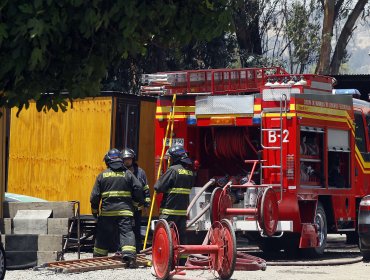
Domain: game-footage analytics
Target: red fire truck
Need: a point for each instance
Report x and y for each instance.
(285, 157)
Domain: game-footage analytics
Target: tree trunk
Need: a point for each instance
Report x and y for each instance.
(246, 17)
(326, 36)
(344, 36)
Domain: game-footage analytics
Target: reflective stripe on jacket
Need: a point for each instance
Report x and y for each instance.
(175, 184)
(116, 189)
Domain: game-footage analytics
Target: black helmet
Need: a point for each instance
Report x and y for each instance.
(177, 153)
(113, 159)
(128, 153)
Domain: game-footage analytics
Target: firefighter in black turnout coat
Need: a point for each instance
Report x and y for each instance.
(116, 188)
(176, 184)
(129, 160)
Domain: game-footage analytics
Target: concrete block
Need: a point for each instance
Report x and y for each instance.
(61, 209)
(50, 242)
(20, 242)
(31, 221)
(46, 257)
(58, 226)
(6, 225)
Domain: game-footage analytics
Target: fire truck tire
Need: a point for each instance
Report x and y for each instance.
(364, 249)
(322, 230)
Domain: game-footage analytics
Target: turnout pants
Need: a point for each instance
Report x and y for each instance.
(105, 232)
(137, 230)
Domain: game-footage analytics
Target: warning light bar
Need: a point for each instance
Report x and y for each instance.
(222, 121)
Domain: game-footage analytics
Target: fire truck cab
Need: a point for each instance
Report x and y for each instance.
(255, 129)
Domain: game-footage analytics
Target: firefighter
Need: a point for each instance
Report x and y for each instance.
(129, 160)
(116, 188)
(176, 184)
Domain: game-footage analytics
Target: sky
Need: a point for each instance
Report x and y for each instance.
(359, 48)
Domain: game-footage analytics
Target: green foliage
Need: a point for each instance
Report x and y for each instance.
(303, 31)
(218, 53)
(49, 47)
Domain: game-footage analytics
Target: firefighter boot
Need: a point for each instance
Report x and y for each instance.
(129, 262)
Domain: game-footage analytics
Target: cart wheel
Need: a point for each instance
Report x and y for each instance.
(215, 238)
(224, 203)
(214, 208)
(175, 243)
(162, 250)
(222, 235)
(268, 212)
(229, 254)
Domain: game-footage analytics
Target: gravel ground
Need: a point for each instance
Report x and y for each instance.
(338, 250)
(357, 271)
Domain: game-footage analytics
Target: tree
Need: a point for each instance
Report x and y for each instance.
(289, 32)
(48, 47)
(301, 32)
(217, 53)
(334, 13)
(246, 21)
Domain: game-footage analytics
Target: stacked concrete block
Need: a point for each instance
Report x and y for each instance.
(33, 232)
(49, 247)
(31, 221)
(58, 226)
(61, 209)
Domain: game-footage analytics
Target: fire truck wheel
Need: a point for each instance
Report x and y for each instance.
(364, 249)
(322, 230)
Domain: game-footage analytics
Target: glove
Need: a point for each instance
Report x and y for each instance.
(146, 204)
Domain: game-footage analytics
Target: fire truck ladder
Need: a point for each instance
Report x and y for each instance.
(282, 109)
(207, 81)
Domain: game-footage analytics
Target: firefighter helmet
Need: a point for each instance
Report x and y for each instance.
(177, 153)
(128, 153)
(113, 159)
